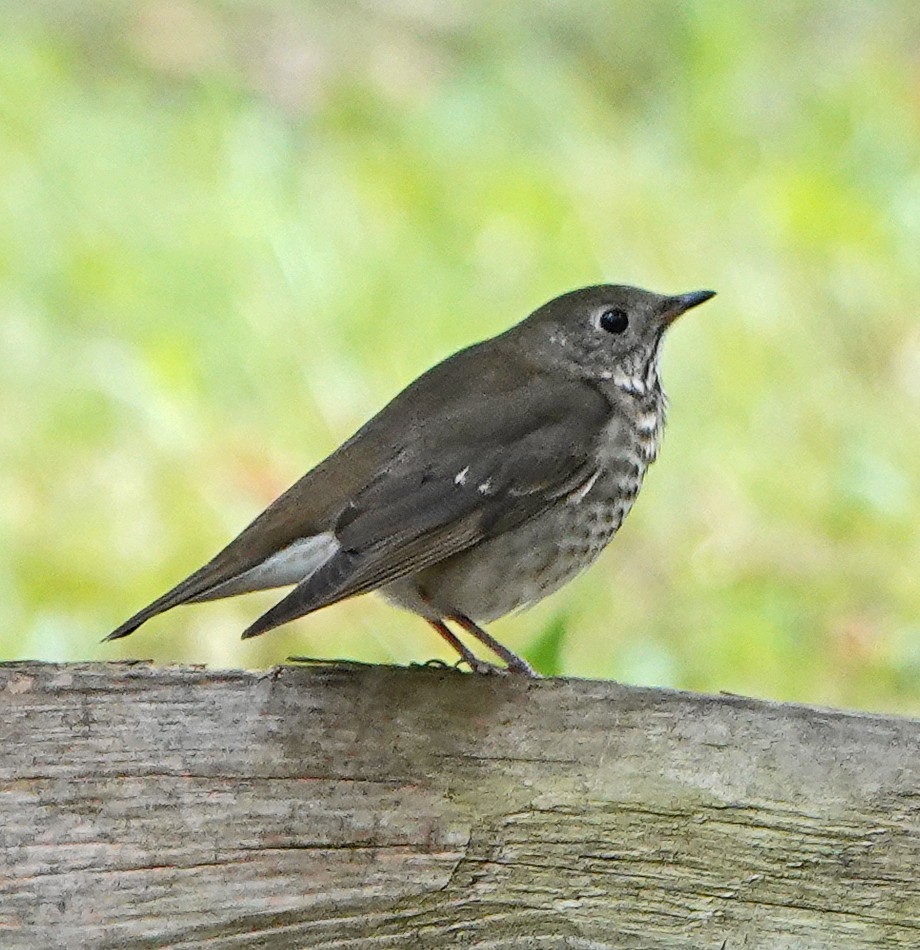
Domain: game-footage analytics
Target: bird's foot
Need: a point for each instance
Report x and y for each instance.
(515, 664)
(466, 655)
(482, 667)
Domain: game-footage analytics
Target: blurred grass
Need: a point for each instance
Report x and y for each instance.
(230, 232)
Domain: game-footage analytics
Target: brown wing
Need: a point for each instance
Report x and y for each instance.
(449, 493)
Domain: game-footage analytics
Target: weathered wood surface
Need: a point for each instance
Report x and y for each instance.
(379, 807)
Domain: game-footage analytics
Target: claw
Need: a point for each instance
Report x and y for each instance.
(484, 668)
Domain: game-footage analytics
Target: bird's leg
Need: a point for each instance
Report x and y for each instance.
(466, 655)
(515, 663)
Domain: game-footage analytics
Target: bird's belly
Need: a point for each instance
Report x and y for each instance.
(518, 567)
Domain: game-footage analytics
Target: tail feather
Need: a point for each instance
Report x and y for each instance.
(193, 586)
(217, 579)
(319, 589)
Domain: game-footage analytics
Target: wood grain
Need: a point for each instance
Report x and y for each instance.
(373, 807)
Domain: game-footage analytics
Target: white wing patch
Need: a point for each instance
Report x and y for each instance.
(289, 566)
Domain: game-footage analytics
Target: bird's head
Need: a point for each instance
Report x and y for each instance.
(608, 332)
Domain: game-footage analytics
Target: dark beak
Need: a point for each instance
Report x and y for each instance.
(681, 303)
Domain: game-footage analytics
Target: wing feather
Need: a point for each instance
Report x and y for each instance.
(421, 511)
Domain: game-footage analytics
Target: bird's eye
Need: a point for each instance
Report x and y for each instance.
(614, 321)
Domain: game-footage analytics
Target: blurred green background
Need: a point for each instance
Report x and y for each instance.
(229, 232)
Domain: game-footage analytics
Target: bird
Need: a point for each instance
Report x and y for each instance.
(481, 488)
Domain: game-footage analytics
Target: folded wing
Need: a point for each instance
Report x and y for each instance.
(460, 484)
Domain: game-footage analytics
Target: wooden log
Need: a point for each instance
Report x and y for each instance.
(349, 806)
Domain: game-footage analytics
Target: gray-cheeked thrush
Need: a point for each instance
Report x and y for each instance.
(482, 487)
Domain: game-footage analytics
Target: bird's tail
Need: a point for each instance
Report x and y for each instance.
(229, 574)
(193, 586)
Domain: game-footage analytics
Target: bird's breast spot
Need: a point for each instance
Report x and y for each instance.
(629, 384)
(647, 422)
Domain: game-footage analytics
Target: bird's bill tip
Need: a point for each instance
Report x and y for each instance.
(681, 303)
(692, 299)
